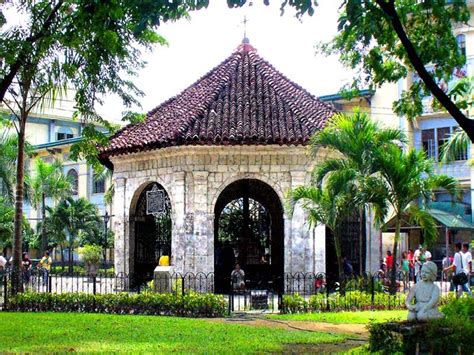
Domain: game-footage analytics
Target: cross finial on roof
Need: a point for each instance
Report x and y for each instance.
(245, 21)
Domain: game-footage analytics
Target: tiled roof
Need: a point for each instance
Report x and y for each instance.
(244, 100)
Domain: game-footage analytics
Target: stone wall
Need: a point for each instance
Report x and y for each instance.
(194, 177)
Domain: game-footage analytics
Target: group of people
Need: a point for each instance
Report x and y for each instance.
(459, 269)
(456, 269)
(26, 265)
(411, 263)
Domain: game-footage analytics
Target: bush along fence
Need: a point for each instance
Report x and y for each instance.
(453, 334)
(293, 293)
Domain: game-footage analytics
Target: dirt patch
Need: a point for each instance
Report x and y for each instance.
(325, 348)
(358, 330)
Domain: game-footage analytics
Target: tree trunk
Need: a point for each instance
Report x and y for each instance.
(337, 247)
(464, 122)
(361, 239)
(393, 274)
(18, 220)
(44, 238)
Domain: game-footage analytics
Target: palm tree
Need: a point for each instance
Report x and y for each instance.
(409, 182)
(53, 226)
(8, 157)
(6, 222)
(328, 205)
(355, 141)
(78, 217)
(48, 181)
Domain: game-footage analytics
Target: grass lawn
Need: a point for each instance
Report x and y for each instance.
(61, 332)
(362, 317)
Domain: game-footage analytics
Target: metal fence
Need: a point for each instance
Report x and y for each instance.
(367, 291)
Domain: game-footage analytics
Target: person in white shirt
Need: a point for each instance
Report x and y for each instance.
(3, 262)
(461, 264)
(467, 252)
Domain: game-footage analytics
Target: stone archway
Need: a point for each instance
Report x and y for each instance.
(150, 235)
(249, 229)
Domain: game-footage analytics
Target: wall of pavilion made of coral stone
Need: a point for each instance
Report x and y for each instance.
(194, 177)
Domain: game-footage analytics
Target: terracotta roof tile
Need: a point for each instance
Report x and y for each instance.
(244, 100)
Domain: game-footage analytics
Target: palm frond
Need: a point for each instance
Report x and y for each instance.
(457, 145)
(425, 221)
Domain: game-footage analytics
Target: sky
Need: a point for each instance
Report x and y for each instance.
(211, 35)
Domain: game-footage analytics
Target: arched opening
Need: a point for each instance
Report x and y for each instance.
(461, 41)
(248, 229)
(151, 239)
(74, 180)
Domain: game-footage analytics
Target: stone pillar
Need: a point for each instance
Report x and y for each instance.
(372, 236)
(119, 227)
(203, 237)
(178, 240)
(302, 250)
(319, 245)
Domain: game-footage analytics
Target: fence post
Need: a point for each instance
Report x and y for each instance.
(182, 285)
(94, 284)
(50, 282)
(280, 301)
(372, 291)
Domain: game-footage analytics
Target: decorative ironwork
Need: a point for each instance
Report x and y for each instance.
(156, 201)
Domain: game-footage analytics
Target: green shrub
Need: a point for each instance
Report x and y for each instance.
(91, 254)
(350, 301)
(294, 304)
(459, 308)
(80, 270)
(383, 339)
(449, 335)
(190, 305)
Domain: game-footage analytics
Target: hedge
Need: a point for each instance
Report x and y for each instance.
(350, 301)
(189, 305)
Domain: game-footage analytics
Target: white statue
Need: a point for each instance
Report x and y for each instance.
(426, 295)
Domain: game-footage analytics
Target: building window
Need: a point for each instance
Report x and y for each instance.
(64, 133)
(428, 141)
(463, 154)
(74, 179)
(98, 184)
(434, 139)
(461, 39)
(443, 137)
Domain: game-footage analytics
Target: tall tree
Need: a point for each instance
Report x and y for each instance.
(8, 156)
(6, 222)
(329, 206)
(80, 220)
(386, 40)
(48, 181)
(409, 183)
(53, 225)
(355, 140)
(91, 46)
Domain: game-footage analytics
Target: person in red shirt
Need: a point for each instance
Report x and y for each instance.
(389, 260)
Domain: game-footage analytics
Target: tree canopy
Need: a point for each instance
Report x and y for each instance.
(387, 40)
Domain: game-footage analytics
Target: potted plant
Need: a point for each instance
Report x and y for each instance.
(91, 255)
